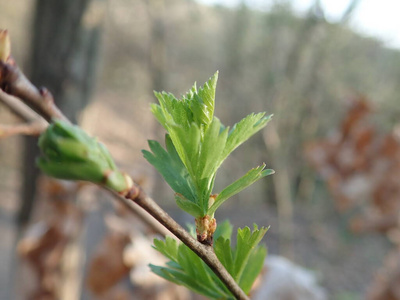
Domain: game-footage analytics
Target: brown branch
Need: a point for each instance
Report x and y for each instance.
(19, 109)
(15, 83)
(34, 129)
(146, 218)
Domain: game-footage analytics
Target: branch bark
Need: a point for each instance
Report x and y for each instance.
(19, 109)
(14, 83)
(34, 129)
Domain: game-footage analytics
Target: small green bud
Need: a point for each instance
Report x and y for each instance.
(70, 153)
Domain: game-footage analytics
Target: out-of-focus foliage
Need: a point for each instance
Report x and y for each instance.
(362, 170)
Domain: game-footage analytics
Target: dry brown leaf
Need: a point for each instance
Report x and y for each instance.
(107, 266)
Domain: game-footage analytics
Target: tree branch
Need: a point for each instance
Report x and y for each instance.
(18, 108)
(34, 129)
(14, 83)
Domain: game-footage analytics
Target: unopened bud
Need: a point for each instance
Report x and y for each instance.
(205, 228)
(68, 152)
(5, 45)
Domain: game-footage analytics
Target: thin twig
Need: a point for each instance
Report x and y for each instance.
(34, 129)
(19, 109)
(15, 83)
(143, 215)
(34, 124)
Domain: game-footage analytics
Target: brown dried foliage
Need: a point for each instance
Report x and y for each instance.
(362, 170)
(44, 243)
(107, 266)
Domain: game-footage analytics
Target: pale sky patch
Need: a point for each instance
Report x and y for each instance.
(372, 17)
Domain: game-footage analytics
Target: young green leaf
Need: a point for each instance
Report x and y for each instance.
(253, 268)
(168, 247)
(187, 269)
(188, 206)
(246, 243)
(203, 102)
(252, 176)
(195, 267)
(224, 230)
(211, 149)
(171, 168)
(244, 262)
(243, 130)
(187, 142)
(202, 143)
(223, 250)
(181, 278)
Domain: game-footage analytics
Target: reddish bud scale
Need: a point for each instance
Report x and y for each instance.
(205, 228)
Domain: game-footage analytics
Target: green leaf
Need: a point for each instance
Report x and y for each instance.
(187, 144)
(187, 269)
(171, 168)
(211, 149)
(244, 262)
(159, 114)
(252, 176)
(246, 243)
(203, 102)
(224, 229)
(244, 129)
(188, 206)
(223, 250)
(195, 267)
(253, 268)
(181, 278)
(168, 247)
(202, 143)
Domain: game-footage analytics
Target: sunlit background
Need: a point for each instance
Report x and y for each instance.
(377, 19)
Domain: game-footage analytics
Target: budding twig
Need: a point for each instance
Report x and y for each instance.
(34, 129)
(14, 83)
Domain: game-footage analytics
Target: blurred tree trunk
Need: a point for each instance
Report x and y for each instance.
(65, 47)
(236, 37)
(293, 103)
(157, 45)
(156, 10)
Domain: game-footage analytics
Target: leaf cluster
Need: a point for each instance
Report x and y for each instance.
(197, 143)
(244, 262)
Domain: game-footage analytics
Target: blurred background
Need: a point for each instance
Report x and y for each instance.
(328, 70)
